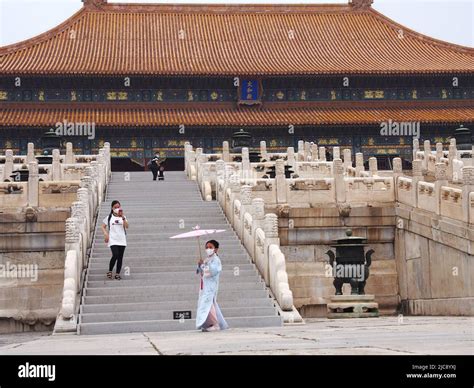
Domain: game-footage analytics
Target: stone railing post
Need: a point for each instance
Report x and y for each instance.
(33, 181)
(467, 187)
(416, 147)
(257, 210)
(201, 160)
(280, 181)
(339, 183)
(291, 158)
(8, 166)
(73, 243)
(245, 206)
(452, 154)
(439, 152)
(56, 167)
(246, 171)
(192, 165)
(89, 182)
(314, 152)
(245, 199)
(107, 160)
(78, 212)
(225, 151)
(427, 152)
(101, 174)
(206, 187)
(347, 158)
(373, 168)
(336, 153)
(300, 150)
(83, 196)
(30, 153)
(234, 187)
(220, 175)
(69, 154)
(441, 177)
(85, 184)
(198, 162)
(97, 182)
(187, 146)
(417, 175)
(306, 151)
(65, 320)
(263, 150)
(359, 167)
(322, 154)
(397, 172)
(271, 237)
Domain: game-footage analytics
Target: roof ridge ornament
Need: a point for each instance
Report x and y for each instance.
(94, 3)
(361, 4)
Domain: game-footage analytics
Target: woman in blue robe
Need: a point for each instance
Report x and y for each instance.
(209, 316)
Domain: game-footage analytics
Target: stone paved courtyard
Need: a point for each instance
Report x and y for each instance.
(381, 336)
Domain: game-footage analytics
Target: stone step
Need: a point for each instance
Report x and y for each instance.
(191, 295)
(127, 193)
(170, 277)
(143, 251)
(165, 236)
(99, 269)
(143, 205)
(179, 246)
(172, 254)
(172, 242)
(167, 259)
(172, 325)
(170, 228)
(204, 222)
(173, 305)
(145, 208)
(163, 315)
(123, 288)
(178, 253)
(200, 217)
(253, 282)
(186, 216)
(140, 250)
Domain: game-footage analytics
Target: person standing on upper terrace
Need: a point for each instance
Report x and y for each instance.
(153, 166)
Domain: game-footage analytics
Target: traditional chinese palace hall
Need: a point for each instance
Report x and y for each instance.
(152, 76)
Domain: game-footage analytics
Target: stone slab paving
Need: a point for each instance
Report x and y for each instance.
(377, 336)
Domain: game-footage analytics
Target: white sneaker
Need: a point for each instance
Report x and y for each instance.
(212, 328)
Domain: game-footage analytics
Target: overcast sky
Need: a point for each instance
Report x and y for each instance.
(449, 20)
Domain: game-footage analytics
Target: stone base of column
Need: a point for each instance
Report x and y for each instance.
(353, 306)
(63, 326)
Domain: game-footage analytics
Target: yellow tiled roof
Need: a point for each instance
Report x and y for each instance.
(34, 115)
(251, 40)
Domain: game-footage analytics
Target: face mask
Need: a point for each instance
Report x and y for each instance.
(210, 251)
(116, 211)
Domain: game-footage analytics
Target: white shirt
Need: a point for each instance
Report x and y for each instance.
(117, 231)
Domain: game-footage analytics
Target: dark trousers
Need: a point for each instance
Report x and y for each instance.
(117, 257)
(155, 174)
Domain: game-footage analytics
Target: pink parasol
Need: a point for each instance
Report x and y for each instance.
(198, 232)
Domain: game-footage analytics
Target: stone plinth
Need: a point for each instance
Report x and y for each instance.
(353, 306)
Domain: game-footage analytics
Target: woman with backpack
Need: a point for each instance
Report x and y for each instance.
(114, 227)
